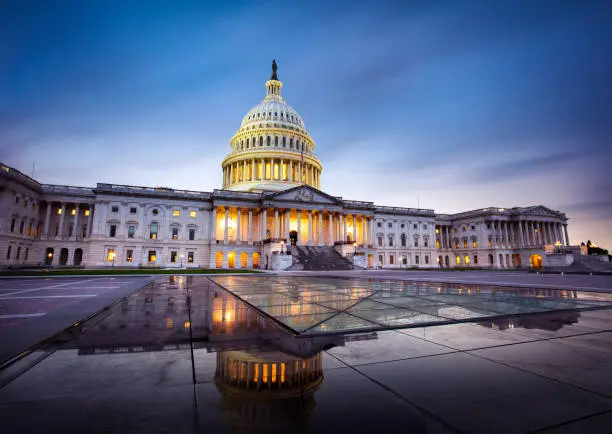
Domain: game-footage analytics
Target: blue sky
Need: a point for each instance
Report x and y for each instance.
(459, 104)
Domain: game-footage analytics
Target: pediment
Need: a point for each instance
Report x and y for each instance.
(304, 193)
(541, 211)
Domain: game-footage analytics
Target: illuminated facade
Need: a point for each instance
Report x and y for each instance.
(270, 199)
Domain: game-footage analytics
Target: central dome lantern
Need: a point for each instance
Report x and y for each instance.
(271, 151)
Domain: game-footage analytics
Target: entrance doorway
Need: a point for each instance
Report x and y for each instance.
(536, 262)
(293, 237)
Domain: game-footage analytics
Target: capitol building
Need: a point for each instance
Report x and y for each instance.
(269, 205)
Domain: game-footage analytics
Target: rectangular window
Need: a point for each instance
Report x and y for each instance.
(129, 255)
(115, 209)
(402, 225)
(458, 259)
(70, 230)
(13, 225)
(59, 211)
(131, 231)
(87, 212)
(37, 230)
(415, 226)
(113, 231)
(465, 244)
(380, 241)
(426, 242)
(466, 259)
(190, 257)
(380, 259)
(474, 244)
(390, 224)
(8, 252)
(110, 255)
(21, 227)
(405, 260)
(191, 234)
(416, 243)
(84, 231)
(176, 213)
(175, 233)
(390, 241)
(153, 233)
(18, 252)
(73, 212)
(424, 226)
(27, 253)
(426, 259)
(379, 224)
(173, 256)
(390, 259)
(29, 229)
(133, 210)
(473, 227)
(475, 259)
(192, 214)
(437, 244)
(152, 256)
(417, 259)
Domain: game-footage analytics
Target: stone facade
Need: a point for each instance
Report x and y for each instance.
(270, 199)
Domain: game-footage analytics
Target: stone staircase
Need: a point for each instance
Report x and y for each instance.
(314, 258)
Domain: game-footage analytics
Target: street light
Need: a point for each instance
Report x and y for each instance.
(112, 255)
(50, 256)
(558, 246)
(282, 247)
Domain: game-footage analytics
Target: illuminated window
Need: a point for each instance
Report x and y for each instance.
(73, 212)
(86, 212)
(115, 209)
(153, 232)
(458, 259)
(113, 231)
(131, 231)
(110, 255)
(466, 259)
(191, 234)
(474, 243)
(175, 233)
(437, 244)
(37, 230)
(490, 242)
(129, 256)
(30, 229)
(190, 257)
(464, 228)
(192, 214)
(152, 256)
(437, 231)
(455, 230)
(173, 256)
(59, 211)
(176, 213)
(465, 244)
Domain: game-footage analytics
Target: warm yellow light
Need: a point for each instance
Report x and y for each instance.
(73, 212)
(110, 255)
(187, 324)
(192, 214)
(59, 210)
(169, 323)
(256, 372)
(274, 372)
(153, 236)
(265, 373)
(49, 254)
(86, 212)
(437, 231)
(283, 368)
(176, 213)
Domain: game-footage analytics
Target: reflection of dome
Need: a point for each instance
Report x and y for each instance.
(269, 389)
(271, 150)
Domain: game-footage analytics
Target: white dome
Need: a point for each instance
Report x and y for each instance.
(273, 110)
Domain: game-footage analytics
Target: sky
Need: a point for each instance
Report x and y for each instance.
(448, 105)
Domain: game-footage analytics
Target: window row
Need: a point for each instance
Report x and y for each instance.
(153, 231)
(31, 229)
(252, 142)
(134, 210)
(72, 212)
(151, 256)
(402, 225)
(17, 253)
(288, 117)
(403, 260)
(403, 241)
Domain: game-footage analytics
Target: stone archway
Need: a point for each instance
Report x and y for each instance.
(78, 257)
(293, 236)
(535, 261)
(49, 253)
(63, 259)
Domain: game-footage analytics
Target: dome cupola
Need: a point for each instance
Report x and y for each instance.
(272, 149)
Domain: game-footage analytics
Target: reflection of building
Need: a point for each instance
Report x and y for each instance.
(270, 193)
(552, 321)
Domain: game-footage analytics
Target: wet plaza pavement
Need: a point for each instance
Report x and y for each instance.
(183, 354)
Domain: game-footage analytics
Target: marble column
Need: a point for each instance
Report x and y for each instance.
(506, 234)
(75, 226)
(521, 234)
(309, 227)
(330, 229)
(48, 218)
(320, 230)
(276, 228)
(263, 169)
(567, 241)
(363, 231)
(264, 223)
(61, 222)
(89, 217)
(238, 225)
(344, 228)
(250, 228)
(226, 229)
(299, 226)
(287, 228)
(354, 228)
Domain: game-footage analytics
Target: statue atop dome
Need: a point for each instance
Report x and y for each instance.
(274, 68)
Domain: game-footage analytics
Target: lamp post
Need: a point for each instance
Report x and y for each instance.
(558, 246)
(50, 258)
(182, 256)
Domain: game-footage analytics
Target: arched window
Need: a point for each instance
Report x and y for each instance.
(390, 240)
(284, 140)
(291, 143)
(268, 141)
(260, 140)
(403, 240)
(247, 143)
(275, 140)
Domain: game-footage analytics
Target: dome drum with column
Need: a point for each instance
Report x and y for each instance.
(272, 150)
